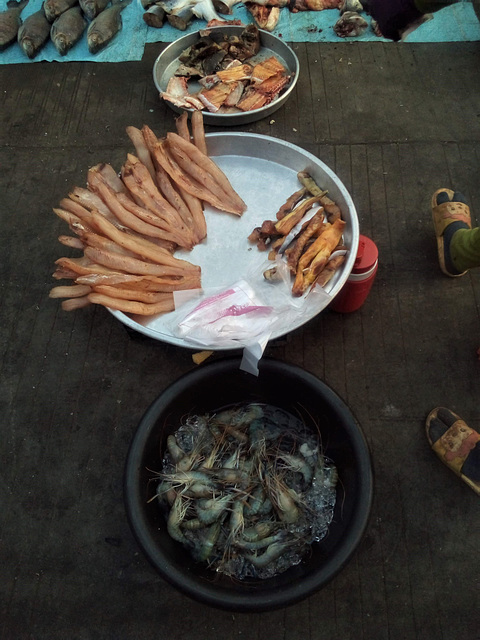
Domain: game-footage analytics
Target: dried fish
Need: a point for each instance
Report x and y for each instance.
(34, 33)
(67, 29)
(105, 26)
(10, 22)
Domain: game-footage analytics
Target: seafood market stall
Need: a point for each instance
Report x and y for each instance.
(358, 145)
(131, 30)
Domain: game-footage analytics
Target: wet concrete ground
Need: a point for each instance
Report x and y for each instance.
(395, 122)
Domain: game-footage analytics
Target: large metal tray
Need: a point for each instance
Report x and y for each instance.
(167, 63)
(263, 170)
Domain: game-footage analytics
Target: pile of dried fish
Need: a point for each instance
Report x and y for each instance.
(305, 240)
(129, 226)
(228, 83)
(63, 22)
(246, 490)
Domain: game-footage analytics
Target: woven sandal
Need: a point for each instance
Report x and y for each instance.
(456, 444)
(443, 215)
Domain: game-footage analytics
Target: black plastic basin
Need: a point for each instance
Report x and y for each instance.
(290, 388)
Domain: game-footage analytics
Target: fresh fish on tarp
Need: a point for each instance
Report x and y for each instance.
(10, 22)
(350, 25)
(105, 26)
(205, 10)
(68, 29)
(54, 8)
(34, 33)
(350, 5)
(154, 16)
(313, 5)
(91, 8)
(265, 17)
(225, 6)
(179, 12)
(181, 19)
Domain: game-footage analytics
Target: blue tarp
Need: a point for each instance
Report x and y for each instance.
(456, 23)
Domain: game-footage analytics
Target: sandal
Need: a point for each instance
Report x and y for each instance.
(456, 444)
(449, 208)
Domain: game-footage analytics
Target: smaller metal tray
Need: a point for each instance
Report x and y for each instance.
(168, 61)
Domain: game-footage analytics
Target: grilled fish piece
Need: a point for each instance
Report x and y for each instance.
(68, 29)
(252, 99)
(105, 26)
(34, 33)
(177, 94)
(10, 22)
(54, 8)
(272, 86)
(235, 73)
(266, 69)
(235, 95)
(91, 8)
(214, 98)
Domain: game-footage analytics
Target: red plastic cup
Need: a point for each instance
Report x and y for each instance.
(356, 289)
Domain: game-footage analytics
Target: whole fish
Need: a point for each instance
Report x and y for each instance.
(91, 8)
(67, 29)
(54, 8)
(34, 33)
(105, 26)
(10, 22)
(350, 25)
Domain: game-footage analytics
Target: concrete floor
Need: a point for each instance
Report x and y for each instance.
(395, 122)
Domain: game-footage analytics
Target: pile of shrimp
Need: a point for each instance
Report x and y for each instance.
(246, 490)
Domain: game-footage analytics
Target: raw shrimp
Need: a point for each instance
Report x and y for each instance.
(247, 488)
(274, 551)
(261, 543)
(175, 518)
(210, 510)
(259, 531)
(297, 464)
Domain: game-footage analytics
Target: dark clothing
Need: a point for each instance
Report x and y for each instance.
(393, 16)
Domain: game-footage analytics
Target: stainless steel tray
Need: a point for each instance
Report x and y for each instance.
(167, 63)
(264, 172)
